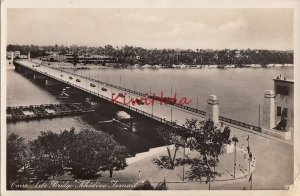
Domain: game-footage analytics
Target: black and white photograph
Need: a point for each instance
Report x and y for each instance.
(148, 99)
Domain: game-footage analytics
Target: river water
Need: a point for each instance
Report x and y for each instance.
(240, 91)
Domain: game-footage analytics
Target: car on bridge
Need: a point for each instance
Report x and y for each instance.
(139, 101)
(121, 95)
(92, 85)
(78, 80)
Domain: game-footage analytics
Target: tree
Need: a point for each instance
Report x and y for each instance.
(96, 151)
(208, 141)
(170, 137)
(86, 152)
(16, 156)
(146, 185)
(47, 155)
(117, 158)
(162, 185)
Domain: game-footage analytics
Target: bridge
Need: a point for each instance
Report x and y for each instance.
(173, 114)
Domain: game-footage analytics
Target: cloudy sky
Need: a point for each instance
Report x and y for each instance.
(153, 28)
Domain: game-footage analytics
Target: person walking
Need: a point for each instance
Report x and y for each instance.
(139, 175)
(250, 156)
(244, 154)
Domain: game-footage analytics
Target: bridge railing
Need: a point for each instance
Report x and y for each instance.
(195, 110)
(240, 124)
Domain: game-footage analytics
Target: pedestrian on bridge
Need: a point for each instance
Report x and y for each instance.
(139, 175)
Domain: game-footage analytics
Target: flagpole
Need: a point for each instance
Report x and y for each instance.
(258, 115)
(171, 106)
(250, 180)
(235, 140)
(98, 83)
(249, 151)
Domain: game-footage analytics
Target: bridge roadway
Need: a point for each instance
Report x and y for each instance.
(166, 113)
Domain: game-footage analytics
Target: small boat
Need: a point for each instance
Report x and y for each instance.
(83, 68)
(64, 95)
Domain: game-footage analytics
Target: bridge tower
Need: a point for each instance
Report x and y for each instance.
(212, 109)
(268, 121)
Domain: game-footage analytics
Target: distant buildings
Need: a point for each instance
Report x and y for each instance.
(87, 58)
(78, 58)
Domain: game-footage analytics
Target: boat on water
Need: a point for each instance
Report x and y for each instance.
(82, 68)
(63, 95)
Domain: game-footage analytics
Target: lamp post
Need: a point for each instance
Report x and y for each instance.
(235, 140)
(171, 106)
(98, 83)
(258, 115)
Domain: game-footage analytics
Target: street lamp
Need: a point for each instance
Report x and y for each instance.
(235, 140)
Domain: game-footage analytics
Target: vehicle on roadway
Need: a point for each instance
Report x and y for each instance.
(121, 95)
(78, 80)
(139, 101)
(104, 89)
(92, 85)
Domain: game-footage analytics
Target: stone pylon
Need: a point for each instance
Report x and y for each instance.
(212, 109)
(268, 118)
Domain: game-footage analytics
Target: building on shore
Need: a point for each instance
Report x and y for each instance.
(284, 103)
(79, 58)
(278, 109)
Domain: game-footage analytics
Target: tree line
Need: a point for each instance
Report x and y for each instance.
(84, 153)
(130, 55)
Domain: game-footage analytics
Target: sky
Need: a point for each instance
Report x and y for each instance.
(201, 28)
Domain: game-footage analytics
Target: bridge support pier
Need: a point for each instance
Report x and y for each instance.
(38, 76)
(28, 72)
(19, 69)
(212, 109)
(50, 82)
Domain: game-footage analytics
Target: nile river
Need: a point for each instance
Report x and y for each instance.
(239, 91)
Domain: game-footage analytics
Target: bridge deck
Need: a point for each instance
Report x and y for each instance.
(173, 114)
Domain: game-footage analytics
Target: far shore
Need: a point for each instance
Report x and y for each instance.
(67, 65)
